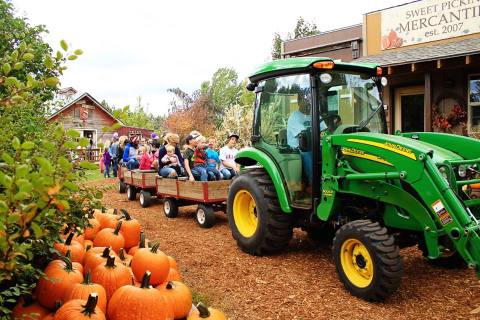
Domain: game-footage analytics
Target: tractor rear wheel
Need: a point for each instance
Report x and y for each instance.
(257, 222)
(367, 260)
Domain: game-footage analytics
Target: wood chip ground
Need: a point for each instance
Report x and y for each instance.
(300, 283)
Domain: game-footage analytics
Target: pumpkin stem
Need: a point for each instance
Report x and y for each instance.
(115, 211)
(155, 247)
(66, 230)
(203, 310)
(104, 209)
(169, 285)
(117, 228)
(68, 261)
(110, 262)
(121, 254)
(88, 278)
(127, 215)
(142, 240)
(69, 239)
(88, 247)
(106, 252)
(89, 308)
(146, 280)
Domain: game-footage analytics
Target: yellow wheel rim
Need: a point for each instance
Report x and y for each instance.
(245, 213)
(356, 263)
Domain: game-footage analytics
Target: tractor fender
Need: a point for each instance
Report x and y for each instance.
(252, 156)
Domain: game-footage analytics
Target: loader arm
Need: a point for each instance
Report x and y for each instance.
(436, 205)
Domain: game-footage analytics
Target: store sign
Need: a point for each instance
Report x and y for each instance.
(428, 20)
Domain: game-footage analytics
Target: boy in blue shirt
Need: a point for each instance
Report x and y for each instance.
(213, 161)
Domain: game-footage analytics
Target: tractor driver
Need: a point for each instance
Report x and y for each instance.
(298, 126)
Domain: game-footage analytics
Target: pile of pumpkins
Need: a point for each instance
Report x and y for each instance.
(110, 271)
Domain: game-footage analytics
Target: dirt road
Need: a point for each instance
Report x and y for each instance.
(301, 283)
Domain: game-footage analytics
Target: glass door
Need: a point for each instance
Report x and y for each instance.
(410, 109)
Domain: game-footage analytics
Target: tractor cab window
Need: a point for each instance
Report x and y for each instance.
(350, 102)
(283, 121)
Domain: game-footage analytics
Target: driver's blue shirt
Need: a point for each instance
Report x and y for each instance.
(297, 122)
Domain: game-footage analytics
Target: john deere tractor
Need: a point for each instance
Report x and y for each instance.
(322, 160)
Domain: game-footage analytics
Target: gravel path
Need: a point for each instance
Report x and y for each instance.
(301, 283)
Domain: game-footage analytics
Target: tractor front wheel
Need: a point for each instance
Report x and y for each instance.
(367, 260)
(257, 222)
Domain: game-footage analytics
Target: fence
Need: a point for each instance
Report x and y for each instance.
(91, 155)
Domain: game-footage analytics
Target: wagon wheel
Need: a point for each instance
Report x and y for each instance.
(170, 208)
(145, 198)
(205, 216)
(122, 187)
(131, 193)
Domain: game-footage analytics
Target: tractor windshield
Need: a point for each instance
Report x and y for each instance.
(350, 102)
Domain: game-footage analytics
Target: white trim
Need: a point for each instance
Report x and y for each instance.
(405, 91)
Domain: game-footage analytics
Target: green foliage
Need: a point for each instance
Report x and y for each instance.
(302, 29)
(237, 119)
(39, 185)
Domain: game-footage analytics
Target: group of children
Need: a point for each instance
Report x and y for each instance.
(199, 161)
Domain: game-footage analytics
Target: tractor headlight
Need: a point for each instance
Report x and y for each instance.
(462, 171)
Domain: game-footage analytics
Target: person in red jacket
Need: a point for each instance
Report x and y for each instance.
(146, 159)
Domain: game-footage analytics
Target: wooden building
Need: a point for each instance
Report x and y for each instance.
(89, 117)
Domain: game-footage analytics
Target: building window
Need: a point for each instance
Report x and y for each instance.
(474, 102)
(355, 50)
(90, 114)
(76, 113)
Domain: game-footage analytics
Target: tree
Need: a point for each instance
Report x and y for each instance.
(237, 119)
(302, 29)
(223, 91)
(277, 47)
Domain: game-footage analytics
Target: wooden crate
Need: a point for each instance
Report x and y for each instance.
(144, 178)
(167, 187)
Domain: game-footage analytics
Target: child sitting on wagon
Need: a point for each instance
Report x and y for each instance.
(213, 161)
(146, 159)
(171, 160)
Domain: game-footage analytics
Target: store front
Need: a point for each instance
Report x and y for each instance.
(430, 53)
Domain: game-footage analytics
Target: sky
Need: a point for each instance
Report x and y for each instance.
(141, 48)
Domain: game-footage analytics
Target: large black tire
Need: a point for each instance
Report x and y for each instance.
(170, 208)
(257, 222)
(131, 193)
(122, 187)
(145, 199)
(205, 216)
(367, 260)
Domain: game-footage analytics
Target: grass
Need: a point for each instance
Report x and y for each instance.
(92, 175)
(198, 297)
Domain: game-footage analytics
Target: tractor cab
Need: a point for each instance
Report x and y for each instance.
(295, 109)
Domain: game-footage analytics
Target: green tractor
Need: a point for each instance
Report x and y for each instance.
(322, 160)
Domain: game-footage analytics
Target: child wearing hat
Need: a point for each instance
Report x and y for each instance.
(229, 168)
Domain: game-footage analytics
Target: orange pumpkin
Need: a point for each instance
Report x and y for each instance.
(110, 237)
(151, 260)
(57, 282)
(28, 311)
(143, 243)
(88, 244)
(61, 264)
(124, 258)
(203, 312)
(180, 297)
(144, 302)
(51, 315)
(83, 290)
(80, 239)
(173, 263)
(92, 230)
(130, 230)
(77, 250)
(173, 275)
(108, 221)
(111, 276)
(95, 257)
(78, 309)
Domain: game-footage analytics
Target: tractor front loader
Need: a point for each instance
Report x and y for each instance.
(321, 160)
